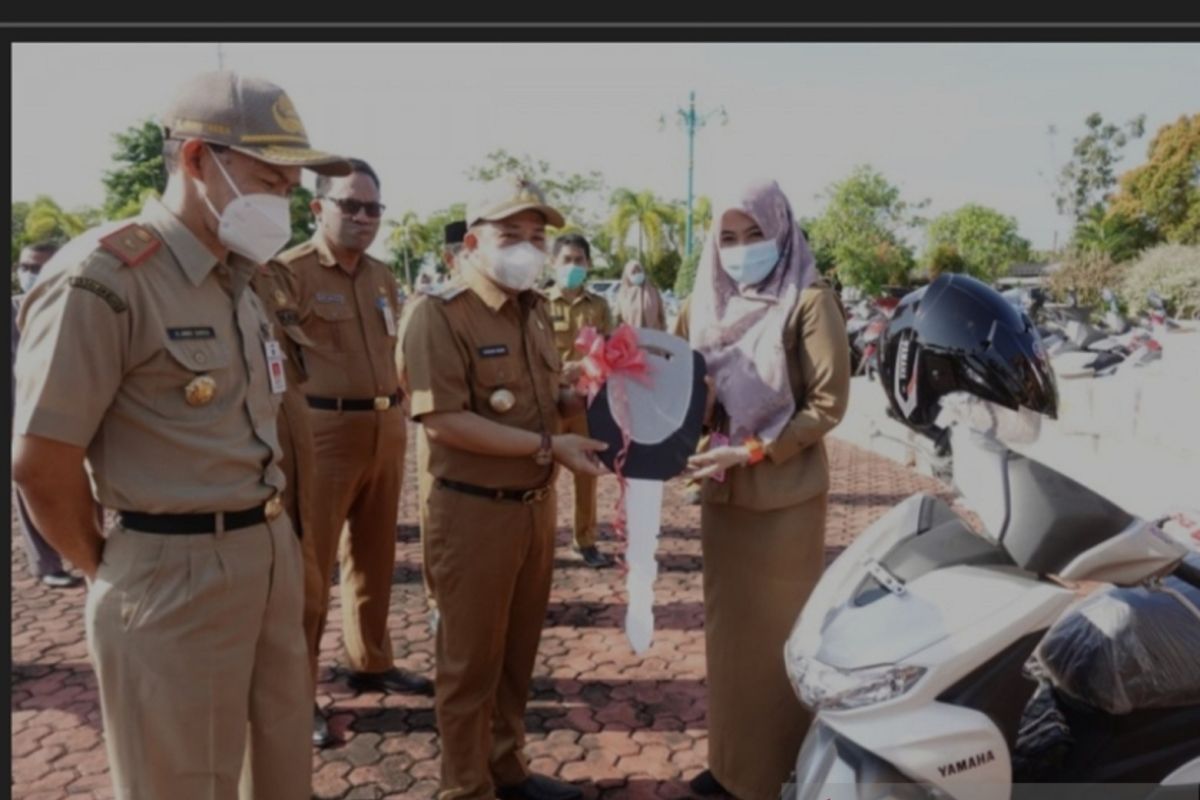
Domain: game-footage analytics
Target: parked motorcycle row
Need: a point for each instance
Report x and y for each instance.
(1077, 346)
(1057, 641)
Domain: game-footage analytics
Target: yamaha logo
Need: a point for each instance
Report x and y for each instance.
(964, 764)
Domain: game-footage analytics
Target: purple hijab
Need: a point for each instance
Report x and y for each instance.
(739, 330)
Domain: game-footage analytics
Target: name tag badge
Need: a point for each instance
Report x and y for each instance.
(389, 319)
(275, 366)
(190, 334)
(493, 350)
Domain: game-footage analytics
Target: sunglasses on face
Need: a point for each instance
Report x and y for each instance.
(350, 207)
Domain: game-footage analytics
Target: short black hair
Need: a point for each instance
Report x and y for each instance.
(357, 165)
(572, 240)
(48, 246)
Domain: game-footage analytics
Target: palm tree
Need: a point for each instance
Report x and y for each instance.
(47, 220)
(652, 217)
(406, 240)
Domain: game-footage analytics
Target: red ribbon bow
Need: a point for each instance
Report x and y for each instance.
(605, 359)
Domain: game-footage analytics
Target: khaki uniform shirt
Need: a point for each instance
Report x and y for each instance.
(570, 316)
(124, 318)
(464, 345)
(347, 318)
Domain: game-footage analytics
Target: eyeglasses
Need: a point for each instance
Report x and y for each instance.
(351, 206)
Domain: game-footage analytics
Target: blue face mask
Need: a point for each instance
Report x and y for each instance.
(570, 276)
(750, 264)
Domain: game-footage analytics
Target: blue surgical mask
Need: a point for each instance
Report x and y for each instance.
(750, 264)
(570, 276)
(638, 278)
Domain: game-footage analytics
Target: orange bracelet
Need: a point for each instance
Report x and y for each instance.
(755, 446)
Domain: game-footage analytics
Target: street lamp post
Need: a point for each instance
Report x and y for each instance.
(691, 121)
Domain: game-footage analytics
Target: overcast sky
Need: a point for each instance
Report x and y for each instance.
(955, 123)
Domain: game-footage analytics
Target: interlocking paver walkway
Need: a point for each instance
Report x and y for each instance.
(621, 725)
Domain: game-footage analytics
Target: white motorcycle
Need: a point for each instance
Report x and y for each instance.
(914, 648)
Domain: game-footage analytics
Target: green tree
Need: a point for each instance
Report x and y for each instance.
(1112, 234)
(985, 241)
(685, 279)
(304, 222)
(653, 219)
(945, 258)
(138, 172)
(45, 220)
(409, 242)
(861, 230)
(1164, 193)
(568, 192)
(1086, 179)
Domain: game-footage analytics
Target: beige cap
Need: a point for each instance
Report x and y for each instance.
(250, 115)
(503, 197)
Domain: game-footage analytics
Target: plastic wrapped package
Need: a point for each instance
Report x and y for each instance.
(1127, 649)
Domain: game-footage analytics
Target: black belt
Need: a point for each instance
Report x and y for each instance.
(526, 496)
(346, 404)
(199, 523)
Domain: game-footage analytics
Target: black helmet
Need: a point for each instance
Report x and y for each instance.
(960, 335)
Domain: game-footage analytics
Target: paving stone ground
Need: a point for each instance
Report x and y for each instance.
(620, 725)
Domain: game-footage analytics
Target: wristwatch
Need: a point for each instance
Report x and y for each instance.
(545, 452)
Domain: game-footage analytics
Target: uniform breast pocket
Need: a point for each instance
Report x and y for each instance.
(334, 326)
(499, 385)
(192, 379)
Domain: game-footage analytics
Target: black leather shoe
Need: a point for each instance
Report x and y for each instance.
(60, 580)
(321, 735)
(593, 557)
(540, 787)
(392, 680)
(707, 784)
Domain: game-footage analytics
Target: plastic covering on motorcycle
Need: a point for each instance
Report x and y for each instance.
(1127, 649)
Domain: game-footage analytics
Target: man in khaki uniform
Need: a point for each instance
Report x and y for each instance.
(145, 357)
(276, 288)
(350, 313)
(573, 307)
(481, 364)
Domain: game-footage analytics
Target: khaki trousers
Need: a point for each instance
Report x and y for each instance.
(359, 468)
(199, 654)
(491, 561)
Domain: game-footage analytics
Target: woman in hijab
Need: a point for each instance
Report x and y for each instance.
(639, 302)
(774, 340)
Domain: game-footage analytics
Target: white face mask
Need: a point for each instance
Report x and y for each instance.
(516, 267)
(27, 279)
(256, 226)
(749, 264)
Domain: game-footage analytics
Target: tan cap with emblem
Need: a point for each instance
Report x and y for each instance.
(250, 115)
(510, 195)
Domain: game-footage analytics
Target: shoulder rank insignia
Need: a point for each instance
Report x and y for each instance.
(133, 244)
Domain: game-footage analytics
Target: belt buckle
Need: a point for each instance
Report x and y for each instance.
(383, 403)
(273, 508)
(532, 496)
